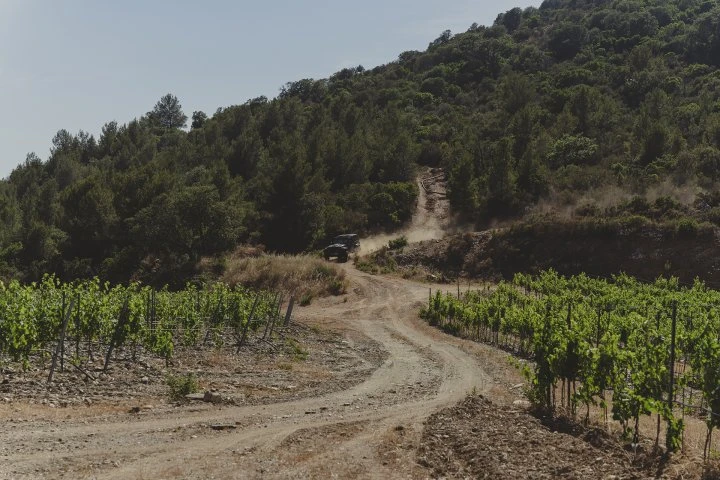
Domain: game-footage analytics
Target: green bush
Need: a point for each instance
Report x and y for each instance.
(181, 385)
(686, 228)
(398, 243)
(306, 299)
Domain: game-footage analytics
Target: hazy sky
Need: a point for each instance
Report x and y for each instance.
(77, 64)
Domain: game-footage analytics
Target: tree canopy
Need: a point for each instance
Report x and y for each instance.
(547, 103)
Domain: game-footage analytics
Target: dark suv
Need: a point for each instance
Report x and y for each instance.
(342, 245)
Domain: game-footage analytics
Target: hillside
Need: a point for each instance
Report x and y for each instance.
(575, 106)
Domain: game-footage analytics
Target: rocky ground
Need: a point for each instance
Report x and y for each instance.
(357, 387)
(299, 362)
(480, 439)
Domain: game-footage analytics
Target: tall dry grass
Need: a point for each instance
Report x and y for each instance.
(302, 276)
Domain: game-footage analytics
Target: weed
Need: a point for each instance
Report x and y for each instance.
(305, 299)
(181, 385)
(296, 349)
(397, 243)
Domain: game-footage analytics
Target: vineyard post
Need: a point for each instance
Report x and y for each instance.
(60, 341)
(288, 314)
(276, 316)
(214, 319)
(62, 335)
(77, 326)
(153, 311)
(247, 323)
(277, 301)
(122, 319)
(672, 356)
(672, 429)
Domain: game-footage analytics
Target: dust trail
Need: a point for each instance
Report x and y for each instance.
(430, 221)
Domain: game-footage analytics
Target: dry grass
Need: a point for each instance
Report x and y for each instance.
(302, 276)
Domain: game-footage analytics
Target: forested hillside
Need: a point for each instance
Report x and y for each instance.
(548, 104)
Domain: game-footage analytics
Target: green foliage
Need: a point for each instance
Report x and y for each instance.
(181, 385)
(31, 315)
(397, 243)
(555, 100)
(572, 150)
(589, 336)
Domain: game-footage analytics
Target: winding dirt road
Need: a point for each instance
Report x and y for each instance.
(368, 431)
(371, 430)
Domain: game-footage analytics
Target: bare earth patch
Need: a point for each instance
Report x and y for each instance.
(300, 362)
(480, 439)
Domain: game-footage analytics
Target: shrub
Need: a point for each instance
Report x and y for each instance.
(181, 385)
(306, 299)
(397, 243)
(302, 276)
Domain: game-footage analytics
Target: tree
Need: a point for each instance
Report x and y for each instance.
(444, 37)
(198, 119)
(567, 39)
(572, 150)
(168, 113)
(510, 19)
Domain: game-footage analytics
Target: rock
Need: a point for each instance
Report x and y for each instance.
(199, 397)
(212, 397)
(134, 410)
(521, 404)
(145, 380)
(219, 426)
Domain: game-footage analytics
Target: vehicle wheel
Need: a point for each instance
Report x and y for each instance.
(343, 258)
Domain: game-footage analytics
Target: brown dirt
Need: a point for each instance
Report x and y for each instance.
(376, 397)
(392, 371)
(299, 362)
(569, 247)
(480, 439)
(371, 424)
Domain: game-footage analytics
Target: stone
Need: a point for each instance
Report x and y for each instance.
(212, 397)
(198, 397)
(221, 426)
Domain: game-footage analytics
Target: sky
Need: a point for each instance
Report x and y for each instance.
(78, 64)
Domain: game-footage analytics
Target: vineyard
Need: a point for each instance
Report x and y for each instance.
(629, 348)
(53, 322)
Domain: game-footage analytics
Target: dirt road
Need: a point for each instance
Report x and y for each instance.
(397, 418)
(367, 431)
(370, 430)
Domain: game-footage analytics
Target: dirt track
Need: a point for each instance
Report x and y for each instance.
(350, 433)
(371, 430)
(397, 418)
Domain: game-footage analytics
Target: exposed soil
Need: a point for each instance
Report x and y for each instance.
(569, 247)
(480, 439)
(431, 220)
(299, 362)
(378, 394)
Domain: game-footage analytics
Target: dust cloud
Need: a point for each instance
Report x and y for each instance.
(431, 220)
